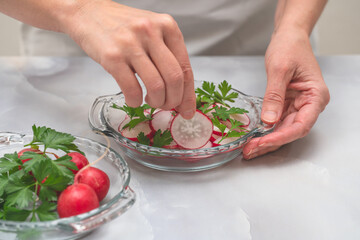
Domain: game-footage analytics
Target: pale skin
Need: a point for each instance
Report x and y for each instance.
(126, 41)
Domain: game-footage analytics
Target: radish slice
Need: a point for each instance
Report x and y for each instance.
(241, 118)
(225, 141)
(161, 120)
(207, 145)
(193, 133)
(134, 132)
(172, 145)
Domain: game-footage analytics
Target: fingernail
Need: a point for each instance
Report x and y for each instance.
(188, 114)
(269, 116)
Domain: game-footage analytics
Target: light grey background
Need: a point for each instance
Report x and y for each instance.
(338, 30)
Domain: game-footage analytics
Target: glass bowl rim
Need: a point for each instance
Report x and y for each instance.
(83, 216)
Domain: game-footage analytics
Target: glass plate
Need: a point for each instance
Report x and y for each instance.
(118, 200)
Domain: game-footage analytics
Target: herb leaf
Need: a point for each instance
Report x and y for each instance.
(143, 139)
(162, 139)
(137, 115)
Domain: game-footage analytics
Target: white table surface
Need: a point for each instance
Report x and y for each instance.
(309, 189)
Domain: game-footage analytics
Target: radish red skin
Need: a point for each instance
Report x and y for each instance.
(28, 150)
(96, 179)
(79, 159)
(76, 199)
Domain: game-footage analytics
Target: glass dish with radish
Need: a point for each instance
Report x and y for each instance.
(57, 186)
(224, 121)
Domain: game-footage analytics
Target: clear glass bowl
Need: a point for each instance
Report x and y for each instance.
(118, 200)
(104, 118)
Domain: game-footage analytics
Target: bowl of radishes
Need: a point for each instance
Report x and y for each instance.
(74, 196)
(224, 121)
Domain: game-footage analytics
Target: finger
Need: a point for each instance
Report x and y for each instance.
(295, 126)
(274, 98)
(128, 83)
(174, 40)
(152, 79)
(171, 73)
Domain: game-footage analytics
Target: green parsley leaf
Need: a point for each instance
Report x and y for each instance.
(137, 115)
(14, 214)
(3, 183)
(9, 162)
(47, 194)
(56, 182)
(53, 139)
(20, 198)
(162, 139)
(208, 94)
(46, 211)
(143, 139)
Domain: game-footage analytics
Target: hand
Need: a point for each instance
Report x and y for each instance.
(295, 95)
(126, 41)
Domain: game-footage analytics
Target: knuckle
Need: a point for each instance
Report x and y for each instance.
(143, 25)
(274, 97)
(156, 87)
(110, 55)
(175, 79)
(167, 21)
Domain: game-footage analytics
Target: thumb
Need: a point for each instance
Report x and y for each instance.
(274, 97)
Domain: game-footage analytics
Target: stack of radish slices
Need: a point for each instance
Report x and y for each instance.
(195, 133)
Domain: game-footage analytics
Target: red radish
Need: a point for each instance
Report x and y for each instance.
(134, 132)
(161, 120)
(76, 199)
(79, 159)
(28, 150)
(96, 179)
(193, 133)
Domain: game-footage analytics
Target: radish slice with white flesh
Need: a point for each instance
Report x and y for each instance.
(161, 120)
(225, 141)
(207, 145)
(172, 145)
(217, 130)
(241, 118)
(193, 133)
(134, 132)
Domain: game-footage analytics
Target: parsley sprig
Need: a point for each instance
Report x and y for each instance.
(137, 115)
(28, 190)
(209, 94)
(159, 139)
(235, 130)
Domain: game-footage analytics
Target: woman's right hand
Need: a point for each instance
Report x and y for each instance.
(126, 41)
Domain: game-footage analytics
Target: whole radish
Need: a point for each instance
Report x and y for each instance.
(76, 199)
(28, 150)
(79, 159)
(96, 179)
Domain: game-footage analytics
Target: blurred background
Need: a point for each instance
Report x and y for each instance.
(337, 32)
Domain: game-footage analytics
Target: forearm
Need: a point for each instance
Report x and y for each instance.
(298, 14)
(46, 14)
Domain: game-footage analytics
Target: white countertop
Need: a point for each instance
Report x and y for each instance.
(309, 189)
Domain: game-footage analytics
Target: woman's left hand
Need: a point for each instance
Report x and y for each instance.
(295, 95)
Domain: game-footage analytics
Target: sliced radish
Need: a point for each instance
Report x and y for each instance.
(193, 133)
(208, 145)
(161, 120)
(134, 132)
(241, 118)
(172, 145)
(225, 141)
(214, 137)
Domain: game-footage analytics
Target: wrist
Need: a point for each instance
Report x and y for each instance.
(68, 14)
